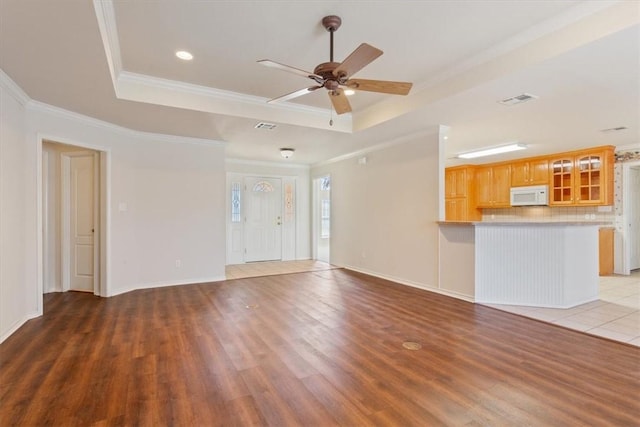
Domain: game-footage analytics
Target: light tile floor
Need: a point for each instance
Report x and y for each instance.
(616, 315)
(270, 268)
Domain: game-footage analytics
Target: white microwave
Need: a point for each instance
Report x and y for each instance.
(533, 195)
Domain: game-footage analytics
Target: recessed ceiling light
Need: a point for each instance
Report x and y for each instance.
(492, 150)
(349, 92)
(184, 55)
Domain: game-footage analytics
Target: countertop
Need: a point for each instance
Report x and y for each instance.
(529, 223)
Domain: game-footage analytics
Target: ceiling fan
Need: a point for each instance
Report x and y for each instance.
(334, 76)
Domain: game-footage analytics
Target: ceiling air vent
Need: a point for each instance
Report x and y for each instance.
(613, 129)
(518, 99)
(265, 125)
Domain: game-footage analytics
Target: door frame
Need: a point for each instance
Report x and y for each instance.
(316, 213)
(65, 175)
(626, 217)
(289, 242)
(105, 217)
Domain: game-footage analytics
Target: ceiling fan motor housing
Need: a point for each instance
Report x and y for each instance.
(325, 70)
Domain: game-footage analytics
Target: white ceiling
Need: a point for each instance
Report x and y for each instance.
(114, 61)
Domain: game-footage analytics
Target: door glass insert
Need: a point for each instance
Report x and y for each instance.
(262, 187)
(235, 202)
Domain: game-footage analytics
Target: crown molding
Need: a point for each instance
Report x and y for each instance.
(13, 89)
(38, 106)
(127, 77)
(578, 26)
(106, 16)
(171, 93)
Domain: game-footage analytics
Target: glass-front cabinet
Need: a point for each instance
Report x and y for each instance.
(589, 173)
(583, 179)
(561, 181)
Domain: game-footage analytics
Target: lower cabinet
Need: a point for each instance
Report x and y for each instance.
(605, 243)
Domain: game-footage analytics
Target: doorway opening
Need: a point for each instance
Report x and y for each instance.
(633, 217)
(73, 218)
(322, 218)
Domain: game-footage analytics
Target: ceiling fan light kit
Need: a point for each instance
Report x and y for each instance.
(335, 76)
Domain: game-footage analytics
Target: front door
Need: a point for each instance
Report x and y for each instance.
(263, 219)
(81, 222)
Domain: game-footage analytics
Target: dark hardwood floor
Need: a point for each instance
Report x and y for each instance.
(308, 349)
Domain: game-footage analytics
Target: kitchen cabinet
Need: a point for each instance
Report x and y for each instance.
(456, 181)
(530, 172)
(605, 251)
(493, 186)
(582, 178)
(459, 189)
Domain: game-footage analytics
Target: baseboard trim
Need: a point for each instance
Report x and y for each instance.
(410, 283)
(17, 325)
(152, 285)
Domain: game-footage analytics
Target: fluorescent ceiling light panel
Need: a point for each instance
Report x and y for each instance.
(491, 151)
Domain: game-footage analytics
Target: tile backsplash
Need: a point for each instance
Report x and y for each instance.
(545, 213)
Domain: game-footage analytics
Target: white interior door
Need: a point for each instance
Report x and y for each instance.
(81, 221)
(634, 218)
(263, 219)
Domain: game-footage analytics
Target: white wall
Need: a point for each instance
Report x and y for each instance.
(164, 199)
(173, 188)
(384, 212)
(15, 254)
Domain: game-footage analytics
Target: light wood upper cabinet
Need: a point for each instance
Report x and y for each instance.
(493, 186)
(561, 177)
(577, 178)
(586, 178)
(456, 182)
(530, 172)
(459, 189)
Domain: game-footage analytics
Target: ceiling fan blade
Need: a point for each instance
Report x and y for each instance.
(382, 86)
(283, 67)
(339, 101)
(295, 94)
(359, 58)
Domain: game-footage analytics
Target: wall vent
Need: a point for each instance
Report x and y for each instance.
(518, 99)
(265, 125)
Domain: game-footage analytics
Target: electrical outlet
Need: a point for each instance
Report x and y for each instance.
(178, 263)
